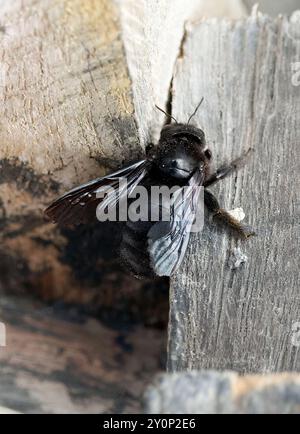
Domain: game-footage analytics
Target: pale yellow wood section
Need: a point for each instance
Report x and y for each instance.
(65, 89)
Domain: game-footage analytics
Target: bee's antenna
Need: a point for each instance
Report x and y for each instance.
(167, 114)
(196, 109)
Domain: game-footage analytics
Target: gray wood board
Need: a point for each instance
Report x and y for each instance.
(243, 319)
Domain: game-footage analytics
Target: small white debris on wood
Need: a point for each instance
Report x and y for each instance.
(236, 259)
(238, 214)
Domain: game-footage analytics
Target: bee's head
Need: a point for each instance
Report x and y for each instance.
(182, 150)
(191, 132)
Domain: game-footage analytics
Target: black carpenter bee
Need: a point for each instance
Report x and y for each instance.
(181, 158)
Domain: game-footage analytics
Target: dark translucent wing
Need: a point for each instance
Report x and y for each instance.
(79, 205)
(168, 240)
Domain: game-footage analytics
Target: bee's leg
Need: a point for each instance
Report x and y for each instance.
(213, 205)
(227, 169)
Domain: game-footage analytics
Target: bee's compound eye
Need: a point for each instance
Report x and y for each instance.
(208, 154)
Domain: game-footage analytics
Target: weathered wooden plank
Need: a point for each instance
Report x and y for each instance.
(152, 33)
(65, 87)
(242, 319)
(212, 392)
(60, 361)
(66, 109)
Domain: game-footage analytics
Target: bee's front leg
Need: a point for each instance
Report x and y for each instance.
(226, 169)
(213, 205)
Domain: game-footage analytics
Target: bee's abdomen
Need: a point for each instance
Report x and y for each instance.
(134, 248)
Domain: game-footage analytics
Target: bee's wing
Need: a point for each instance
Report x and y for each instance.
(168, 240)
(79, 205)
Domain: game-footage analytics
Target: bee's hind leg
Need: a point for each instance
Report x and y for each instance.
(227, 169)
(221, 214)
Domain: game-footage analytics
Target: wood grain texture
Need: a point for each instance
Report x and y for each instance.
(58, 361)
(66, 112)
(153, 32)
(242, 319)
(65, 88)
